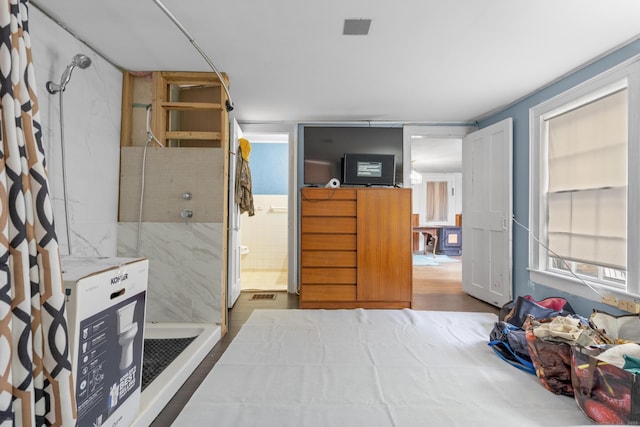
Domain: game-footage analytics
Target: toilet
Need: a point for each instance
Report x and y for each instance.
(127, 330)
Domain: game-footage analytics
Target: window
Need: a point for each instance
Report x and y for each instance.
(437, 201)
(584, 187)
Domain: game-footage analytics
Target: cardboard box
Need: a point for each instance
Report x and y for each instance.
(106, 313)
(604, 392)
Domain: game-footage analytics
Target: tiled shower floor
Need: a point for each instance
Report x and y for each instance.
(158, 354)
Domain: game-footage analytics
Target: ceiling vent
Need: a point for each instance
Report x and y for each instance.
(356, 27)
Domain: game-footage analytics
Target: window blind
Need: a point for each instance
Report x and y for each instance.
(587, 182)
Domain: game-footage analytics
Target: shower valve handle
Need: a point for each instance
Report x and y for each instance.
(186, 214)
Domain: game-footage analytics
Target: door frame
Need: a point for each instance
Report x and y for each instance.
(289, 129)
(428, 131)
(233, 222)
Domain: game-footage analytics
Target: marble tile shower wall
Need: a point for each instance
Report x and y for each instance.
(265, 234)
(185, 265)
(91, 106)
(182, 257)
(185, 258)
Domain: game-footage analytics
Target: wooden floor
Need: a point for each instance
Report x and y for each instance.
(440, 289)
(434, 288)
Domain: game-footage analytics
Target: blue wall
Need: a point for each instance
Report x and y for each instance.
(269, 168)
(520, 114)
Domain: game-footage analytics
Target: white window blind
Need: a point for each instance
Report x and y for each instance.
(587, 182)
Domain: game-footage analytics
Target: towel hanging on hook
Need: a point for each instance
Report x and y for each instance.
(244, 192)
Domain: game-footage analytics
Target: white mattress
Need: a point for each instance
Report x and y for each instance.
(371, 368)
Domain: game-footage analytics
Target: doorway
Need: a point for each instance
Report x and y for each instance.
(264, 236)
(436, 183)
(436, 178)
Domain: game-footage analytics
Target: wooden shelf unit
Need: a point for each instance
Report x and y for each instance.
(355, 248)
(188, 109)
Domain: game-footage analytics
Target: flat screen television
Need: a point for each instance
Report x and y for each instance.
(324, 148)
(369, 169)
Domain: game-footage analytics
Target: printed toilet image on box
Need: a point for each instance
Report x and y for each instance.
(106, 307)
(108, 367)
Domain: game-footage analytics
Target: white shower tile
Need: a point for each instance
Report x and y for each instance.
(265, 234)
(204, 282)
(168, 299)
(127, 237)
(94, 239)
(185, 266)
(91, 125)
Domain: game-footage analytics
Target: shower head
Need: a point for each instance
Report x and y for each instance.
(81, 61)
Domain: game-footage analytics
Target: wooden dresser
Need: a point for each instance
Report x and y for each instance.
(355, 248)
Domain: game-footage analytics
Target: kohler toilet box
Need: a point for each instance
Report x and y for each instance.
(105, 314)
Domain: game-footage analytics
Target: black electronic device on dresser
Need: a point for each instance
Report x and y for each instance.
(369, 169)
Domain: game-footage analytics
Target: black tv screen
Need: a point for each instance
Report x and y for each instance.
(325, 146)
(369, 169)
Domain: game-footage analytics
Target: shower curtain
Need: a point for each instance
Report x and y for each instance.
(36, 385)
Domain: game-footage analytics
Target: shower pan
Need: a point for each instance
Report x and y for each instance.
(81, 61)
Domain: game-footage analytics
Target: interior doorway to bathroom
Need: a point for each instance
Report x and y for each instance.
(264, 236)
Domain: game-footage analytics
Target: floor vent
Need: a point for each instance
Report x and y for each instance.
(263, 296)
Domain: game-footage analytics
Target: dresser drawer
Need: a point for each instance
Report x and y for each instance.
(328, 293)
(328, 258)
(329, 208)
(332, 225)
(328, 194)
(328, 275)
(336, 242)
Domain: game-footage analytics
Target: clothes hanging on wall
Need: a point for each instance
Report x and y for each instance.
(244, 192)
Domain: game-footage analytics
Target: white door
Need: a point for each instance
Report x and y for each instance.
(487, 212)
(233, 268)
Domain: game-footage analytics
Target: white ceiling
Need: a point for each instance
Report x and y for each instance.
(436, 155)
(423, 60)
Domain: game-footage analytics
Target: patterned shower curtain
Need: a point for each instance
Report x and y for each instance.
(36, 384)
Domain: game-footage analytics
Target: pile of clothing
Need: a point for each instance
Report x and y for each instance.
(595, 360)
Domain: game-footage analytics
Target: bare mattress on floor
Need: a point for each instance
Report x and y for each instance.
(371, 368)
